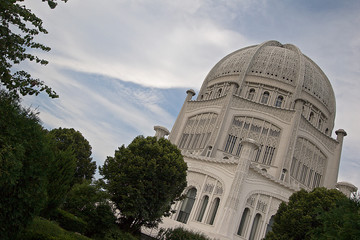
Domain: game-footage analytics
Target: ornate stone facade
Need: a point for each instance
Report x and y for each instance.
(259, 130)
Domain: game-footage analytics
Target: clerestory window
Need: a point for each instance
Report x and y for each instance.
(279, 101)
(265, 97)
(251, 94)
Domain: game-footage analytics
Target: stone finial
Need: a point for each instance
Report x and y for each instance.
(190, 93)
(160, 132)
(340, 133)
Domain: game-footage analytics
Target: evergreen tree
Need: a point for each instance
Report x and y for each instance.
(144, 179)
(70, 139)
(24, 157)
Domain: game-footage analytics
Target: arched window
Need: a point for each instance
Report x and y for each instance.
(251, 94)
(282, 177)
(203, 208)
(311, 117)
(219, 92)
(243, 221)
(269, 226)
(209, 151)
(319, 123)
(279, 101)
(265, 97)
(255, 226)
(326, 131)
(187, 205)
(213, 211)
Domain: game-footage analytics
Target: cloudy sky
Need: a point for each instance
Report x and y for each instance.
(121, 67)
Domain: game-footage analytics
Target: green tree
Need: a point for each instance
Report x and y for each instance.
(304, 214)
(144, 178)
(60, 177)
(68, 138)
(91, 203)
(24, 157)
(340, 223)
(18, 27)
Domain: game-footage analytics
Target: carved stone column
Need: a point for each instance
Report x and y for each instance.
(232, 202)
(292, 138)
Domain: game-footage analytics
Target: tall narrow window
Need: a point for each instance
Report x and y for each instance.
(213, 211)
(310, 177)
(258, 152)
(320, 124)
(219, 92)
(293, 165)
(251, 94)
(279, 101)
(238, 149)
(282, 177)
(186, 206)
(203, 208)
(243, 221)
(230, 143)
(311, 117)
(255, 226)
(209, 151)
(269, 226)
(265, 97)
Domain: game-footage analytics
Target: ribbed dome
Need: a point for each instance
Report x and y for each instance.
(284, 63)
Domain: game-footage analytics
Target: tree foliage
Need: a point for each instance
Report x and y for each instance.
(91, 203)
(60, 176)
(315, 215)
(340, 223)
(68, 138)
(18, 27)
(24, 157)
(144, 178)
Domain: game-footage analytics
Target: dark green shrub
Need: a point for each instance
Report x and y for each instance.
(70, 222)
(42, 229)
(180, 234)
(117, 234)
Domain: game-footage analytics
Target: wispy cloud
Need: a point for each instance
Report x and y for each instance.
(115, 62)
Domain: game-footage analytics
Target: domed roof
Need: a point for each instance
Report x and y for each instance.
(284, 63)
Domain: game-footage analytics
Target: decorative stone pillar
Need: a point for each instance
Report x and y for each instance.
(232, 202)
(174, 132)
(292, 136)
(333, 170)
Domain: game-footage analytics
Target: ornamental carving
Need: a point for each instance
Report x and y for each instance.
(217, 102)
(277, 63)
(329, 143)
(308, 163)
(241, 103)
(232, 64)
(263, 132)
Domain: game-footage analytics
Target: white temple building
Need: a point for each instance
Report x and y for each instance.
(259, 129)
